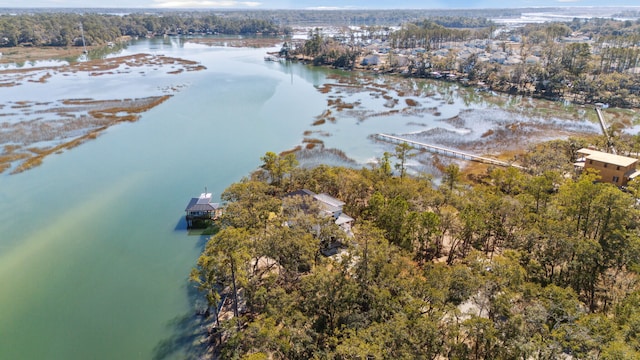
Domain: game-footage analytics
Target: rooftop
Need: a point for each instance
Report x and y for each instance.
(329, 200)
(204, 198)
(612, 159)
(202, 203)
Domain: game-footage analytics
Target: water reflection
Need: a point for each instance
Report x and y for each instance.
(130, 257)
(313, 75)
(34, 64)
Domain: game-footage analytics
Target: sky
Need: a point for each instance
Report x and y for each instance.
(310, 4)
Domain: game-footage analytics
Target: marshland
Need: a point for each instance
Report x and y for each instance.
(93, 239)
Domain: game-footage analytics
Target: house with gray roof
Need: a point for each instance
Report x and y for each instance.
(201, 211)
(329, 206)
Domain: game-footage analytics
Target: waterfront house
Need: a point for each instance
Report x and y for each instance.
(201, 211)
(333, 207)
(614, 169)
(329, 206)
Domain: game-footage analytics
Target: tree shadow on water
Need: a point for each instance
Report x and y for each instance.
(190, 337)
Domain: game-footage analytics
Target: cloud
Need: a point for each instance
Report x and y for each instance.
(205, 3)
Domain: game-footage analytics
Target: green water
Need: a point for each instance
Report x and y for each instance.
(94, 255)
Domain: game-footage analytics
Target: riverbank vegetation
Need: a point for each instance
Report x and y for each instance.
(583, 61)
(64, 29)
(536, 264)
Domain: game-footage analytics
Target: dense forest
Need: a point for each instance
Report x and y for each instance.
(583, 61)
(63, 29)
(536, 264)
(318, 17)
(391, 17)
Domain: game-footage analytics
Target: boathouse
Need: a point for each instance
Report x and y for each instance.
(201, 211)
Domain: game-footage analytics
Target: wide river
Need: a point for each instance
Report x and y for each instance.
(94, 254)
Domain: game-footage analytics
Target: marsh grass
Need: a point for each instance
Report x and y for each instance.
(291, 151)
(316, 156)
(411, 102)
(8, 158)
(325, 89)
(312, 143)
(42, 153)
(488, 133)
(498, 127)
(42, 78)
(97, 67)
(88, 116)
(324, 117)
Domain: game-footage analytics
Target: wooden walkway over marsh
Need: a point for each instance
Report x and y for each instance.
(446, 152)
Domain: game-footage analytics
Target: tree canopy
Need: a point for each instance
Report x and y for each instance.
(524, 265)
(63, 29)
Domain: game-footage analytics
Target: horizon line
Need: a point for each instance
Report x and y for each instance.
(316, 8)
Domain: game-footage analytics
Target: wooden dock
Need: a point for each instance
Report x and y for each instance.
(447, 152)
(603, 127)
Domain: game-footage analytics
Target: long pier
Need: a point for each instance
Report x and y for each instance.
(603, 126)
(447, 152)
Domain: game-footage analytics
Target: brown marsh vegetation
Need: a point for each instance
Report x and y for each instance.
(33, 53)
(111, 66)
(312, 143)
(85, 116)
(488, 124)
(31, 131)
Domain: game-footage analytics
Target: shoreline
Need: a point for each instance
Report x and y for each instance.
(23, 54)
(449, 76)
(34, 129)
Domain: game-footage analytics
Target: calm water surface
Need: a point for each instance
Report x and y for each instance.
(94, 258)
(94, 255)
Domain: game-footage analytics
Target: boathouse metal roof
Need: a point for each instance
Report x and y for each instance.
(202, 203)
